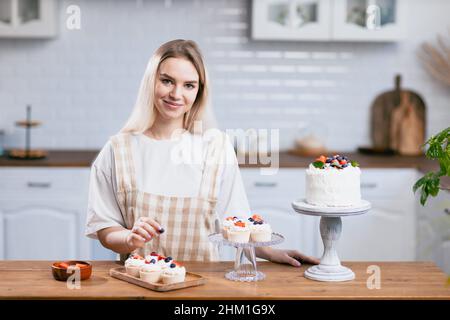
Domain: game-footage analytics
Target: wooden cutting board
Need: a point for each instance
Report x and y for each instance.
(191, 280)
(410, 117)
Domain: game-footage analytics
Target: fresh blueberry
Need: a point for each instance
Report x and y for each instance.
(250, 219)
(161, 230)
(153, 261)
(255, 222)
(328, 160)
(173, 265)
(168, 259)
(339, 158)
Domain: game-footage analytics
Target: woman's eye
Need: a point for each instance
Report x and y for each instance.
(190, 86)
(166, 81)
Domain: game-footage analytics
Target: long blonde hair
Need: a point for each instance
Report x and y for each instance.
(144, 112)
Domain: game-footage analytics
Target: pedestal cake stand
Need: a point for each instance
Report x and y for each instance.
(245, 272)
(330, 268)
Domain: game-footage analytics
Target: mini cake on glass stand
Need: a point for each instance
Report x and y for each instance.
(245, 272)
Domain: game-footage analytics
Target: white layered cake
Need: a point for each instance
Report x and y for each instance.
(333, 181)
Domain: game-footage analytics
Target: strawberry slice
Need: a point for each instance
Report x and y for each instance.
(63, 265)
(322, 158)
(257, 217)
(239, 224)
(81, 265)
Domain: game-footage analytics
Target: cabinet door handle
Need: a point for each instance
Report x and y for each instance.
(42, 185)
(447, 211)
(266, 184)
(370, 185)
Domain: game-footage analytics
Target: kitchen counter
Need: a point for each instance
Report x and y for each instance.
(399, 280)
(84, 158)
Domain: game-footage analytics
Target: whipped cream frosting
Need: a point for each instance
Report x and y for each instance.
(174, 271)
(150, 267)
(130, 262)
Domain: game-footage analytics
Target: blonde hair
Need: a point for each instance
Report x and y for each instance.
(144, 112)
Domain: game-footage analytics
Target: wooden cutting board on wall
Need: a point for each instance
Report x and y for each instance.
(398, 121)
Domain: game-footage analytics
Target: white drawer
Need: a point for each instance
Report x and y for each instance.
(286, 184)
(387, 183)
(41, 182)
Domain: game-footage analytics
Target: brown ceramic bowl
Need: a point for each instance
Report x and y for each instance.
(59, 269)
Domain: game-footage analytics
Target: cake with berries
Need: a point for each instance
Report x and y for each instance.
(150, 271)
(333, 181)
(260, 230)
(133, 264)
(227, 224)
(173, 274)
(239, 232)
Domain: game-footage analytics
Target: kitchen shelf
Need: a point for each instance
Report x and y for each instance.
(28, 18)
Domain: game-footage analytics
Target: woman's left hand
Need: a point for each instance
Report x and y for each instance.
(292, 257)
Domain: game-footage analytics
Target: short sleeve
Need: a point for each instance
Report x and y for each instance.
(232, 198)
(103, 206)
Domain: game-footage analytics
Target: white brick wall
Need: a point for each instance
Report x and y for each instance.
(83, 84)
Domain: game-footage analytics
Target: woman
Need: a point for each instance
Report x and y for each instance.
(141, 198)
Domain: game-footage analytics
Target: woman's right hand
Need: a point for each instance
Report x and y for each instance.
(144, 230)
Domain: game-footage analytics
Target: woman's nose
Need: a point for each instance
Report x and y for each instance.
(175, 93)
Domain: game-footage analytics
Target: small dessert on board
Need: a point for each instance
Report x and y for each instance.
(133, 264)
(156, 272)
(173, 274)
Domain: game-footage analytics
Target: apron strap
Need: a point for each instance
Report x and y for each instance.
(124, 162)
(209, 187)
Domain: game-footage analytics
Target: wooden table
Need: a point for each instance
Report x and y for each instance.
(399, 280)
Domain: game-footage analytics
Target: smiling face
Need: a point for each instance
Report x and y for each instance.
(176, 88)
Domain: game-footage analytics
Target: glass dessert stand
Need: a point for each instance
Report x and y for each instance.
(330, 268)
(245, 272)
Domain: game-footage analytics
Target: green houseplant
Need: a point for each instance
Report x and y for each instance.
(438, 149)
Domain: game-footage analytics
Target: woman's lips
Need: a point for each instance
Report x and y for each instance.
(172, 105)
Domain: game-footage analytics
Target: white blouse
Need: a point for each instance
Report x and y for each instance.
(158, 172)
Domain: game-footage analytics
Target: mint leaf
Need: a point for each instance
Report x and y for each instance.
(354, 163)
(419, 183)
(318, 164)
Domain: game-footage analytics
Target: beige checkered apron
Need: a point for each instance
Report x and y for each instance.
(187, 220)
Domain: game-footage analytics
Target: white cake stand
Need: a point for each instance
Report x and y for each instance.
(330, 268)
(245, 272)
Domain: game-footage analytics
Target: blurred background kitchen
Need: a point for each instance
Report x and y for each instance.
(330, 75)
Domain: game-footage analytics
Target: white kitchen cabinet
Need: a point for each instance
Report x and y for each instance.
(43, 214)
(28, 18)
(369, 20)
(434, 230)
(386, 233)
(291, 20)
(329, 20)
